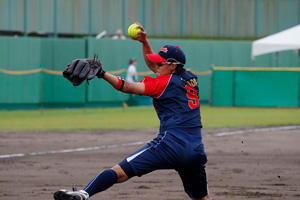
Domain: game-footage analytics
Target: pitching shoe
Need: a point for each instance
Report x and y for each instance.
(71, 195)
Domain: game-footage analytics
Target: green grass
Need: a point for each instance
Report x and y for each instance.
(139, 117)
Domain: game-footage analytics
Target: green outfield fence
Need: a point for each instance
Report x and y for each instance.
(41, 87)
(30, 68)
(253, 86)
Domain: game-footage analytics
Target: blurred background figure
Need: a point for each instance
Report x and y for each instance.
(131, 71)
(101, 34)
(132, 77)
(119, 35)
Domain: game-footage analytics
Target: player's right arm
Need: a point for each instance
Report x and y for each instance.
(149, 86)
(124, 86)
(146, 48)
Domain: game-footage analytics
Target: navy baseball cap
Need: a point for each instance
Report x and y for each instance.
(168, 53)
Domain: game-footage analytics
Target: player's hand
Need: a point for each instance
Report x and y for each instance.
(142, 34)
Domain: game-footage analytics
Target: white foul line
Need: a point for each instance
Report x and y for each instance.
(70, 150)
(255, 130)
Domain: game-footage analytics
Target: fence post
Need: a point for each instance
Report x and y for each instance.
(85, 96)
(148, 11)
(40, 16)
(86, 99)
(256, 18)
(298, 11)
(163, 17)
(276, 57)
(42, 89)
(233, 87)
(219, 18)
(9, 15)
(182, 22)
(55, 18)
(26, 20)
(124, 15)
(278, 16)
(299, 92)
(299, 66)
(90, 17)
(142, 13)
(211, 85)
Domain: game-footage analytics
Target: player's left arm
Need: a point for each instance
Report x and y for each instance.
(124, 86)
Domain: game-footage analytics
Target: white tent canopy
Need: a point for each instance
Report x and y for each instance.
(288, 39)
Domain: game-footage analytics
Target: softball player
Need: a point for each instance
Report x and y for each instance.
(179, 143)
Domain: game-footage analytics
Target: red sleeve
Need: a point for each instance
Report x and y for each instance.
(155, 87)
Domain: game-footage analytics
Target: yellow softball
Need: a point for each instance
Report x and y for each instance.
(132, 30)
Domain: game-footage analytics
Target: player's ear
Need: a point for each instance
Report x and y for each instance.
(173, 66)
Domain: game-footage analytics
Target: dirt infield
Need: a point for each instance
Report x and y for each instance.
(258, 165)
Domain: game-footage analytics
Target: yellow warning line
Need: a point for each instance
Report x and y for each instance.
(118, 71)
(49, 71)
(200, 73)
(220, 68)
(33, 71)
(215, 68)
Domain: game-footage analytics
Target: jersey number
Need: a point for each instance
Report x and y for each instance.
(192, 96)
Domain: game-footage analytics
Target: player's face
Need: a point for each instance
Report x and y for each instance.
(165, 69)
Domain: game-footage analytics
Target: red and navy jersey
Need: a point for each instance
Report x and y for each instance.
(176, 100)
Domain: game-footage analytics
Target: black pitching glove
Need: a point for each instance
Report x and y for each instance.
(80, 70)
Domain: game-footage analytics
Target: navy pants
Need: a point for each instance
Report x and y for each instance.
(173, 149)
